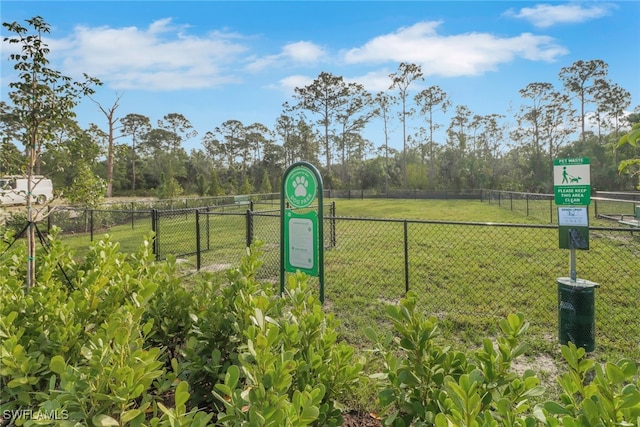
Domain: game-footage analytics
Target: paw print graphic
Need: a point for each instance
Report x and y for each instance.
(300, 186)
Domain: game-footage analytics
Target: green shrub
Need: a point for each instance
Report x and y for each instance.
(611, 397)
(111, 340)
(293, 370)
(425, 383)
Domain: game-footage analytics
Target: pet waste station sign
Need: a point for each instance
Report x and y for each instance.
(572, 181)
(301, 231)
(572, 188)
(576, 300)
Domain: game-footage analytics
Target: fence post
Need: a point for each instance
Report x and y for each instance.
(154, 228)
(48, 219)
(249, 228)
(91, 224)
(208, 229)
(499, 199)
(132, 216)
(198, 254)
(551, 211)
(332, 232)
(406, 257)
(595, 208)
(511, 201)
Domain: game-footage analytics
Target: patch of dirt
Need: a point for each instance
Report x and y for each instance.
(540, 363)
(360, 419)
(216, 267)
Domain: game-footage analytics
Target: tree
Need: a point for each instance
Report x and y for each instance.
(11, 159)
(134, 125)
(580, 79)
(352, 118)
(87, 188)
(202, 187)
(42, 98)
(258, 136)
(325, 97)
(180, 128)
(215, 188)
(401, 80)
(545, 124)
(246, 187)
(430, 100)
(383, 102)
(285, 125)
(109, 113)
(74, 149)
(265, 186)
(232, 134)
(631, 166)
(612, 102)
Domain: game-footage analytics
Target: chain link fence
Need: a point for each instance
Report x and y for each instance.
(461, 270)
(613, 206)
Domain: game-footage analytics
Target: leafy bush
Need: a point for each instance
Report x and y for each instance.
(424, 383)
(112, 339)
(611, 398)
(16, 222)
(118, 340)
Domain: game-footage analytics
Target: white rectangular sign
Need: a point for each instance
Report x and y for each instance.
(573, 216)
(571, 175)
(301, 243)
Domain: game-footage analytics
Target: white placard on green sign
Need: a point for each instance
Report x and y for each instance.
(301, 243)
(573, 216)
(572, 181)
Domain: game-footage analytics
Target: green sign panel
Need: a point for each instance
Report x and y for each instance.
(301, 234)
(572, 181)
(300, 187)
(301, 242)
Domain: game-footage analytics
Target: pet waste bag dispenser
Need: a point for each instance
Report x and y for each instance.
(576, 297)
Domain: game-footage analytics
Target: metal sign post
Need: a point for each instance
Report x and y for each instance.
(576, 300)
(301, 234)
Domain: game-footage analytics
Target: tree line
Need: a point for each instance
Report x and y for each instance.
(324, 123)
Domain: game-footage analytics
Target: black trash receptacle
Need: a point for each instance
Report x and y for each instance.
(576, 312)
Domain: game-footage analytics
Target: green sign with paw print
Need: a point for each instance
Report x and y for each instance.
(301, 233)
(300, 187)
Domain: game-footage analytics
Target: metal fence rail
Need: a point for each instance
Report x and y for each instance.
(540, 206)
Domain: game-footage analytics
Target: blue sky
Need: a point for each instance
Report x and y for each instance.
(214, 61)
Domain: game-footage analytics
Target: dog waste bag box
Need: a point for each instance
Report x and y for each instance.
(573, 227)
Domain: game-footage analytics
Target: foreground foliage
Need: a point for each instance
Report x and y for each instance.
(120, 340)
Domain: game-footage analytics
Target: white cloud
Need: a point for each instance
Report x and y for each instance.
(288, 84)
(546, 15)
(304, 52)
(161, 57)
(458, 55)
(374, 81)
(298, 53)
